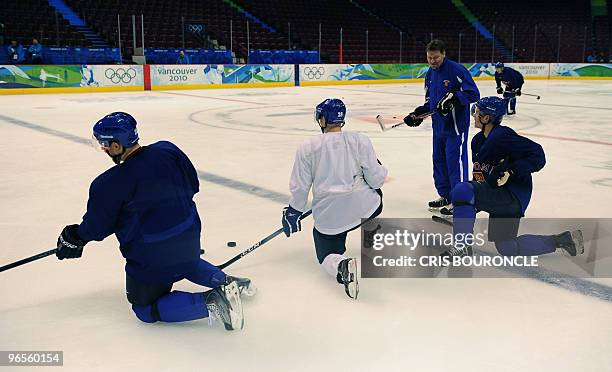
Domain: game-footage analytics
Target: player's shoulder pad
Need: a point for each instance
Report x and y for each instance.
(305, 148)
(505, 130)
(361, 137)
(164, 145)
(107, 179)
(501, 131)
(477, 137)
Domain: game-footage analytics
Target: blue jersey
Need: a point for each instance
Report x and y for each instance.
(15, 53)
(183, 61)
(35, 50)
(510, 77)
(524, 155)
(450, 76)
(147, 202)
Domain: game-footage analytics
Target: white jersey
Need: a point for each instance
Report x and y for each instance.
(342, 169)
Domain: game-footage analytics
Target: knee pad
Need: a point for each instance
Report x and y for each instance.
(507, 247)
(144, 313)
(462, 194)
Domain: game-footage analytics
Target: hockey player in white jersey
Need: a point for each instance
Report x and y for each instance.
(346, 177)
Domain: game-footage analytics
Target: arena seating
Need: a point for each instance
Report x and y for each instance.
(25, 19)
(437, 19)
(163, 23)
(573, 16)
(305, 16)
(272, 23)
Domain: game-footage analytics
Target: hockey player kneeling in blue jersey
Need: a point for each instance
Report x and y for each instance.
(146, 200)
(346, 177)
(501, 186)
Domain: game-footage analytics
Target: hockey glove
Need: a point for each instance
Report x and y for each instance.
(412, 119)
(447, 103)
(69, 243)
(499, 175)
(291, 220)
(517, 91)
(500, 90)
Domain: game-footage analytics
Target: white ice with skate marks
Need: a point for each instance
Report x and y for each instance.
(243, 142)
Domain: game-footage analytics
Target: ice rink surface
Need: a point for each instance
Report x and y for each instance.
(242, 141)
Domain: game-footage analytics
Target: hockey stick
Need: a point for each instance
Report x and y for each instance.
(384, 128)
(27, 260)
(532, 95)
(38, 257)
(259, 243)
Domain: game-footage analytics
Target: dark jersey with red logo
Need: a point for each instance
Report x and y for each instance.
(523, 155)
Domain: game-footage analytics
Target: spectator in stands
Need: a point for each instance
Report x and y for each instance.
(15, 53)
(182, 59)
(35, 52)
(592, 57)
(601, 58)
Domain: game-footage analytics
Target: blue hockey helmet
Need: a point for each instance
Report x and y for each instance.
(493, 106)
(499, 65)
(116, 127)
(333, 110)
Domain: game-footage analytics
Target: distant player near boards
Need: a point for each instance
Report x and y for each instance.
(513, 80)
(146, 200)
(346, 177)
(502, 186)
(449, 90)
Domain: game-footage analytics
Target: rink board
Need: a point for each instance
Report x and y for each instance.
(114, 78)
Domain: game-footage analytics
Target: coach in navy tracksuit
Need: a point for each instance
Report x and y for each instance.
(513, 80)
(449, 90)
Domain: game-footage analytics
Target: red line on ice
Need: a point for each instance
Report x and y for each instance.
(571, 139)
(217, 98)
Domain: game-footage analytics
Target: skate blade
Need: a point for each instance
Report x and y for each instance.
(448, 217)
(352, 289)
(442, 220)
(578, 240)
(232, 293)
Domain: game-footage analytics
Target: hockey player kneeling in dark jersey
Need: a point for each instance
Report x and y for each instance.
(501, 186)
(146, 200)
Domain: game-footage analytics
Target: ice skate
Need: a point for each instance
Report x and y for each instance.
(347, 275)
(224, 305)
(571, 243)
(436, 205)
(447, 212)
(458, 252)
(368, 236)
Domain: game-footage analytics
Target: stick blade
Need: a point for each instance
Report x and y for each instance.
(379, 119)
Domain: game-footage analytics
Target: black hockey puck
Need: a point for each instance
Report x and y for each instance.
(201, 251)
(231, 244)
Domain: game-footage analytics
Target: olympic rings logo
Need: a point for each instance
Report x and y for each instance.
(314, 73)
(195, 28)
(121, 75)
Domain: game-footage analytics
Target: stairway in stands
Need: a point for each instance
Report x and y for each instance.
(79, 24)
(482, 29)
